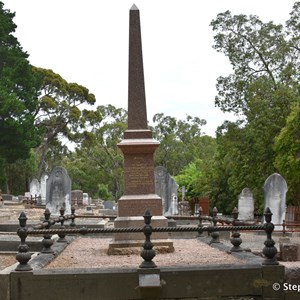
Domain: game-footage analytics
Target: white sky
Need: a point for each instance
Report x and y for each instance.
(87, 42)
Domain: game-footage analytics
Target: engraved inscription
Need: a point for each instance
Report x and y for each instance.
(139, 175)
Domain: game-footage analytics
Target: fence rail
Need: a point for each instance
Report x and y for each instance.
(233, 224)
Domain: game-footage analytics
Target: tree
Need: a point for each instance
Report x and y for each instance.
(262, 89)
(58, 114)
(18, 94)
(97, 161)
(178, 139)
(287, 149)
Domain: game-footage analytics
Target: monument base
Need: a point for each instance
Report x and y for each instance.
(136, 205)
(139, 222)
(131, 242)
(135, 247)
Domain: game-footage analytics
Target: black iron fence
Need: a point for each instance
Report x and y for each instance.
(147, 253)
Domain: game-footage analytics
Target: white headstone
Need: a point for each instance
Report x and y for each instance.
(58, 192)
(246, 205)
(35, 190)
(44, 188)
(85, 199)
(275, 189)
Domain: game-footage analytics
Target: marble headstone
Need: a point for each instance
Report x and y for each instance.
(58, 191)
(35, 189)
(166, 188)
(275, 189)
(85, 199)
(43, 188)
(246, 205)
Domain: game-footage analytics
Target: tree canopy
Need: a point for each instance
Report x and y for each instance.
(261, 90)
(18, 94)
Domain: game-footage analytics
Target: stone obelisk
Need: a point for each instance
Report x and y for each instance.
(138, 148)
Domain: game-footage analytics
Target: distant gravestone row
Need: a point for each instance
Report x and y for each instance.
(275, 188)
(54, 191)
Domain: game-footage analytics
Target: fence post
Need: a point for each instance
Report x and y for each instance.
(72, 224)
(147, 253)
(200, 232)
(269, 250)
(283, 228)
(23, 256)
(47, 241)
(235, 236)
(62, 220)
(215, 234)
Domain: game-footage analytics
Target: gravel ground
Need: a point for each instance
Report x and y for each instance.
(88, 252)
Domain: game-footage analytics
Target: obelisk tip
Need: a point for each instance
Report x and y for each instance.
(134, 7)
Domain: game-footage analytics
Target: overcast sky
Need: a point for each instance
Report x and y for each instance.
(87, 42)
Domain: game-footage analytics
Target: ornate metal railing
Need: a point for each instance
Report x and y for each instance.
(147, 253)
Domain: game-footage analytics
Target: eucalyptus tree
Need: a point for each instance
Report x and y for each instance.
(97, 163)
(58, 115)
(261, 90)
(179, 141)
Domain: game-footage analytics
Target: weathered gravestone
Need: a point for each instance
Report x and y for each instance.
(138, 148)
(108, 204)
(275, 189)
(246, 205)
(34, 188)
(166, 188)
(58, 191)
(76, 197)
(85, 199)
(44, 178)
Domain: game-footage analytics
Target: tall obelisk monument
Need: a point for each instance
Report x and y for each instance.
(138, 148)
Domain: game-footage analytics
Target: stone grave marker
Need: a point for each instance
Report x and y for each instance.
(58, 191)
(44, 178)
(166, 188)
(76, 197)
(275, 189)
(246, 205)
(35, 188)
(138, 148)
(109, 204)
(85, 199)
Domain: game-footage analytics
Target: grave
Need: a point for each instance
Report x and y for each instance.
(246, 205)
(58, 191)
(138, 148)
(166, 188)
(44, 178)
(85, 199)
(204, 203)
(34, 188)
(275, 189)
(76, 197)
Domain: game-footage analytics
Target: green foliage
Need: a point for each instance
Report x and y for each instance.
(58, 115)
(262, 89)
(97, 164)
(18, 94)
(287, 148)
(104, 193)
(179, 141)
